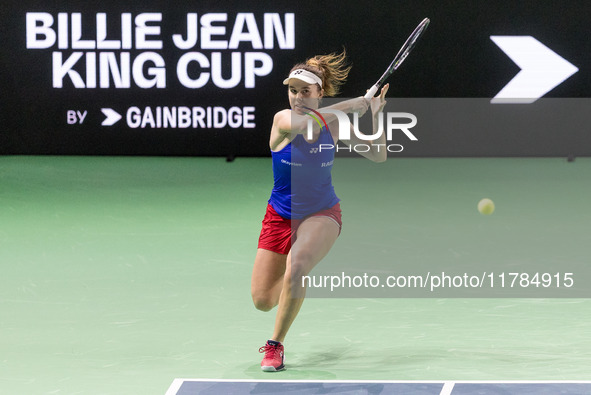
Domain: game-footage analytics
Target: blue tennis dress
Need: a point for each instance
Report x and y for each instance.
(302, 177)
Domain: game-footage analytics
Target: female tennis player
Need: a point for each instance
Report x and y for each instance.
(303, 221)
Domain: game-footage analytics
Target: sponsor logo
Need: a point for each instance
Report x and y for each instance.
(388, 123)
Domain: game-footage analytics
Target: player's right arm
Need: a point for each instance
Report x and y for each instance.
(281, 129)
(287, 123)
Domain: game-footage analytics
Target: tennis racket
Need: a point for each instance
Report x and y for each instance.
(400, 56)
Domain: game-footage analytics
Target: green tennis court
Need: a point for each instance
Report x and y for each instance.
(120, 274)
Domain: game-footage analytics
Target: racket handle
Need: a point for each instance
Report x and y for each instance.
(371, 92)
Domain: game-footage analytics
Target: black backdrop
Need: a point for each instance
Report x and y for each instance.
(456, 59)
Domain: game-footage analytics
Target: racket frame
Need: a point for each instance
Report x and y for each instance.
(400, 56)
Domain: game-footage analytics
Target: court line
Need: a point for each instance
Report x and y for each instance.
(394, 381)
(175, 387)
(447, 388)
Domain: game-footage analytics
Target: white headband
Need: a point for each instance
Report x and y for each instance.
(305, 76)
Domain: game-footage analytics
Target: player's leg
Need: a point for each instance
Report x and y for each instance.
(315, 237)
(267, 279)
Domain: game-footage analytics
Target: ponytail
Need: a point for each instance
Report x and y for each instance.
(331, 68)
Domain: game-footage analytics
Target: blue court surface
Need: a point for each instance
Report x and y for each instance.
(300, 387)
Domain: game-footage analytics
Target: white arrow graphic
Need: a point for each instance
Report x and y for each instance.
(112, 117)
(541, 69)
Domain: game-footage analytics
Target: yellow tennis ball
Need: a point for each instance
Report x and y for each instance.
(486, 207)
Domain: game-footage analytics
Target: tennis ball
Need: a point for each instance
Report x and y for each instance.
(486, 207)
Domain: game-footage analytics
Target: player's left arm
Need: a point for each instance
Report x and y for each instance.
(377, 151)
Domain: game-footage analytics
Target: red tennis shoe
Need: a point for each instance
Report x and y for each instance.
(274, 358)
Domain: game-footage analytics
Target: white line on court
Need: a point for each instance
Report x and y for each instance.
(394, 381)
(175, 387)
(447, 388)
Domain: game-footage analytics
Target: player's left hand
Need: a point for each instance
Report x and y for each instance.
(378, 102)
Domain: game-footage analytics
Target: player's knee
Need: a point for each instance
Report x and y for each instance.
(301, 264)
(262, 302)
